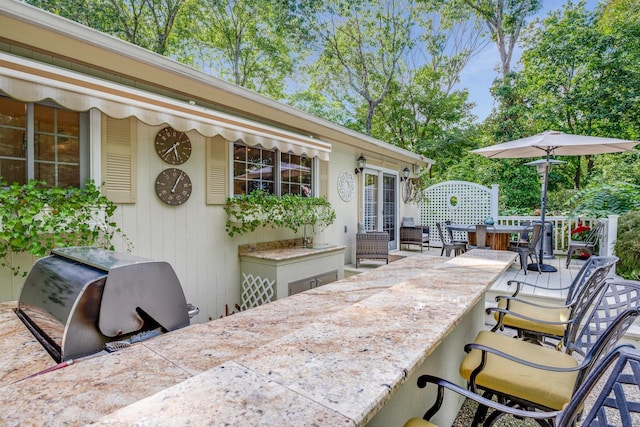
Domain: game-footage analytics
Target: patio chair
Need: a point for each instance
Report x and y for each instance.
(523, 237)
(523, 374)
(588, 244)
(614, 402)
(448, 244)
(536, 321)
(372, 245)
(452, 238)
(529, 251)
(412, 234)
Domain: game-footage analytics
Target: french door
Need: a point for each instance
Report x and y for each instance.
(381, 203)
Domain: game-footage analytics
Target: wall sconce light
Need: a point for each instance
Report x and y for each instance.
(362, 162)
(405, 174)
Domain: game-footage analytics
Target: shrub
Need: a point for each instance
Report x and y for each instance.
(627, 246)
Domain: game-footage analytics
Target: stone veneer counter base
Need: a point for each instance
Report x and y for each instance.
(330, 356)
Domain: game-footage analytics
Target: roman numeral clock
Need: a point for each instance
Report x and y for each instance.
(173, 185)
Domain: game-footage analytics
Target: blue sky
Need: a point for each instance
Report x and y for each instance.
(481, 70)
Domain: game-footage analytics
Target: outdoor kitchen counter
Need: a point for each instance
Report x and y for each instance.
(330, 356)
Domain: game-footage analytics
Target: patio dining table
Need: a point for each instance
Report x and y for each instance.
(498, 236)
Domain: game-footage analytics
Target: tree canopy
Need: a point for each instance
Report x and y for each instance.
(392, 69)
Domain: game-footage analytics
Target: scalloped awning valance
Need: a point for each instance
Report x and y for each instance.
(29, 81)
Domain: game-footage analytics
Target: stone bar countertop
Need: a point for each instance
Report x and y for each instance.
(330, 356)
(283, 250)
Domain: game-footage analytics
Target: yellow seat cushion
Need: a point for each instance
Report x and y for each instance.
(550, 389)
(418, 422)
(560, 314)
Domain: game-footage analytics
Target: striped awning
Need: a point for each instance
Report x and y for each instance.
(31, 81)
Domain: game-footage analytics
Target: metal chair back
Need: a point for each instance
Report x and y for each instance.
(595, 331)
(585, 271)
(618, 401)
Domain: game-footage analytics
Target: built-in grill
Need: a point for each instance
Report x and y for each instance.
(78, 300)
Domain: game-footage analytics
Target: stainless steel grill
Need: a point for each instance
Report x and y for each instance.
(78, 299)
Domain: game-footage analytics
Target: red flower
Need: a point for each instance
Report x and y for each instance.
(580, 232)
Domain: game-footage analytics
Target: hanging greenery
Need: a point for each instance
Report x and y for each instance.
(260, 209)
(35, 218)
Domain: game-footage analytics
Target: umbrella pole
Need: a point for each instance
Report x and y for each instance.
(545, 268)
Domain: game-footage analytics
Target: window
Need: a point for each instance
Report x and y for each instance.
(277, 173)
(42, 142)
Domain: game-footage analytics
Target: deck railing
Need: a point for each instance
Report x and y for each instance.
(562, 226)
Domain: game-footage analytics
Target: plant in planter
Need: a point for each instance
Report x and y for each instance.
(260, 209)
(35, 219)
(580, 233)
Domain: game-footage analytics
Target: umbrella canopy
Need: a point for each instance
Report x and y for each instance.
(559, 144)
(555, 143)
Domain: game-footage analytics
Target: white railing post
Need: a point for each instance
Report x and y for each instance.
(607, 247)
(494, 201)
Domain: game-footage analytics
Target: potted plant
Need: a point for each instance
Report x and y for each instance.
(580, 233)
(260, 209)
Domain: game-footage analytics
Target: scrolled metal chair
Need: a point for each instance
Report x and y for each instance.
(617, 402)
(539, 321)
(529, 376)
(588, 244)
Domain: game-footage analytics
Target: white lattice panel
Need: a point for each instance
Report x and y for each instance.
(256, 291)
(460, 202)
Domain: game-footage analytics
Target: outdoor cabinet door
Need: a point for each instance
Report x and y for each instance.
(300, 285)
(312, 282)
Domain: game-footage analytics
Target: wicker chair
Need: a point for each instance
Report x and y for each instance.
(411, 234)
(372, 245)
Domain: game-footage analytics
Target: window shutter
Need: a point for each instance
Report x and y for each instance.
(217, 174)
(119, 159)
(323, 187)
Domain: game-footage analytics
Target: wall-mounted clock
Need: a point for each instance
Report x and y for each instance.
(172, 146)
(173, 186)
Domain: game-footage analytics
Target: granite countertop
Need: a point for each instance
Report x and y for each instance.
(288, 253)
(329, 356)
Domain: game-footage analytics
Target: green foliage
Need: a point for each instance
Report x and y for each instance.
(605, 199)
(248, 212)
(627, 246)
(146, 23)
(35, 219)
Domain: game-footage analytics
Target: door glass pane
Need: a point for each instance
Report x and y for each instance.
(389, 206)
(370, 201)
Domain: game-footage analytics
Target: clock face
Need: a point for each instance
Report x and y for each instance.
(173, 186)
(172, 146)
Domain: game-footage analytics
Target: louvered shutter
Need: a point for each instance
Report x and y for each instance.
(119, 159)
(217, 170)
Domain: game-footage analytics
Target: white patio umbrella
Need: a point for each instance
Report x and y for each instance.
(553, 143)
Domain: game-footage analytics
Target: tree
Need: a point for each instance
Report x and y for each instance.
(146, 23)
(362, 45)
(580, 80)
(252, 43)
(505, 19)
